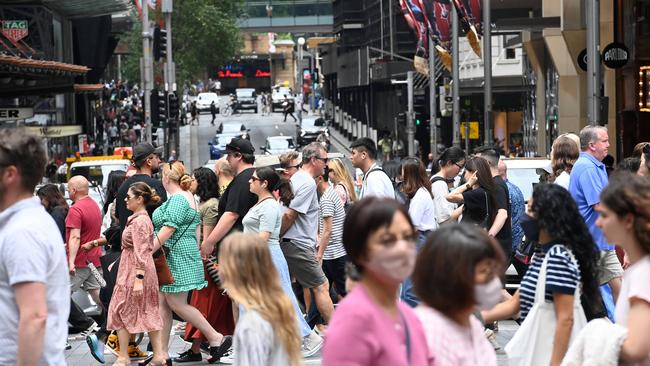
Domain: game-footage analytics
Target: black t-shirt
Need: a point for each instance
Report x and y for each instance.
(238, 198)
(59, 214)
(503, 202)
(120, 205)
(477, 203)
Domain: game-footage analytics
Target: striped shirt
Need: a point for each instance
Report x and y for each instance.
(331, 206)
(562, 275)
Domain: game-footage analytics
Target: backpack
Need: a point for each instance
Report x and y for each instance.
(395, 188)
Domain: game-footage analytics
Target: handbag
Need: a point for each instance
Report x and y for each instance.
(532, 344)
(164, 273)
(524, 251)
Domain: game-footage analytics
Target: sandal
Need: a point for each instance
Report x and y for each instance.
(216, 352)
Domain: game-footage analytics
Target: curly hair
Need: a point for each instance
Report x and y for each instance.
(206, 183)
(629, 193)
(558, 215)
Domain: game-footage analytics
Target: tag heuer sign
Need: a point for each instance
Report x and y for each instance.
(13, 114)
(15, 30)
(615, 55)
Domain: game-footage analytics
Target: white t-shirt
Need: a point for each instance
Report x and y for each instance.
(442, 208)
(376, 183)
(421, 211)
(635, 285)
(563, 180)
(33, 253)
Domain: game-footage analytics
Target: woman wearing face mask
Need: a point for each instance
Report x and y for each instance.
(571, 254)
(450, 163)
(625, 220)
(456, 273)
(371, 326)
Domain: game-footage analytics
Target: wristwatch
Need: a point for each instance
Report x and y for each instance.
(95, 243)
(139, 276)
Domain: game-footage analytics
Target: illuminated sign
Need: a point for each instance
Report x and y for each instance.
(644, 89)
(230, 74)
(262, 74)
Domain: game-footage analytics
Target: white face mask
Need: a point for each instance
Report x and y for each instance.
(488, 295)
(393, 264)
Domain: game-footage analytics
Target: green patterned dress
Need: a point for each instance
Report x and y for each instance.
(184, 258)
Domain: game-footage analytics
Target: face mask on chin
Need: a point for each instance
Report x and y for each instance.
(394, 264)
(488, 295)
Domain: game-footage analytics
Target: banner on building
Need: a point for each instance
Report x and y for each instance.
(54, 131)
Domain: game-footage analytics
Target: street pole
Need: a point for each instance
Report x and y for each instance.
(455, 90)
(410, 125)
(148, 71)
(487, 68)
(433, 106)
(593, 62)
(170, 77)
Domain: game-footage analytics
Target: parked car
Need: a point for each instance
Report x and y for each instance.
(204, 100)
(310, 128)
(526, 173)
(225, 133)
(247, 99)
(277, 145)
(277, 97)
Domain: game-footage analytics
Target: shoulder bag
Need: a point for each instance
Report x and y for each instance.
(532, 344)
(163, 272)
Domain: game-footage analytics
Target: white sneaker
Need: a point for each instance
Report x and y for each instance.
(492, 337)
(311, 344)
(228, 358)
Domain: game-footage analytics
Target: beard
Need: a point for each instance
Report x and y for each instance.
(155, 169)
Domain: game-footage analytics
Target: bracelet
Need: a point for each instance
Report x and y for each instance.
(139, 276)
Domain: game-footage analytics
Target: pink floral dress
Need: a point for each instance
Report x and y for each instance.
(139, 313)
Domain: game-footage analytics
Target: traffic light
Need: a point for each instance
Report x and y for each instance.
(174, 107)
(158, 108)
(159, 43)
(154, 133)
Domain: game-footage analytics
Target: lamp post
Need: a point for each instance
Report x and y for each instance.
(301, 43)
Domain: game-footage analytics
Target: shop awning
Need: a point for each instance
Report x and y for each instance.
(24, 76)
(88, 88)
(82, 8)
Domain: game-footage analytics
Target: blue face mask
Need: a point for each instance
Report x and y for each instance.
(530, 226)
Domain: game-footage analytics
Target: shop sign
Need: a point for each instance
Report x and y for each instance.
(55, 131)
(262, 74)
(230, 74)
(15, 30)
(473, 130)
(13, 114)
(84, 148)
(615, 55)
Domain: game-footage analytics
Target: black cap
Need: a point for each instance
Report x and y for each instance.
(241, 146)
(144, 149)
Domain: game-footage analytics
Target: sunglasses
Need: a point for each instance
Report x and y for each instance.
(324, 160)
(258, 179)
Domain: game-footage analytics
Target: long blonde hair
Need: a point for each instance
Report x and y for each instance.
(176, 173)
(336, 165)
(249, 275)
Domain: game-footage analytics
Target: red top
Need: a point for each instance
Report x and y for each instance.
(86, 216)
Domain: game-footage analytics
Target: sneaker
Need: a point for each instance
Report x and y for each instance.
(90, 330)
(96, 348)
(492, 337)
(136, 354)
(68, 346)
(311, 344)
(229, 357)
(188, 356)
(112, 344)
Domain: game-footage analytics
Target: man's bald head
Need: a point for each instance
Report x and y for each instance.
(78, 187)
(503, 170)
(223, 169)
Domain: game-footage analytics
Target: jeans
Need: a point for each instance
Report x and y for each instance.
(406, 294)
(285, 281)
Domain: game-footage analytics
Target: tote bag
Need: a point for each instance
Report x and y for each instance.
(532, 345)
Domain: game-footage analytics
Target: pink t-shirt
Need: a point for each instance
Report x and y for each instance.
(453, 345)
(361, 333)
(636, 284)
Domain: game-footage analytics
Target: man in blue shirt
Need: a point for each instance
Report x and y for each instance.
(588, 179)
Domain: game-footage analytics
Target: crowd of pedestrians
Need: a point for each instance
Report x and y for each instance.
(266, 266)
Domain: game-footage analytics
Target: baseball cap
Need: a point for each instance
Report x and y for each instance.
(241, 146)
(144, 149)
